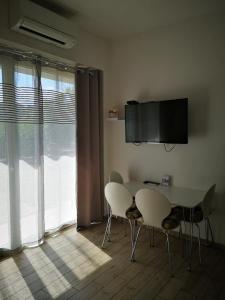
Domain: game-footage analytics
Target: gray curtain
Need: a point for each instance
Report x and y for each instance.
(90, 197)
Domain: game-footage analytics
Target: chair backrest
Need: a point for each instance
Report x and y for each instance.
(115, 177)
(119, 198)
(207, 202)
(153, 206)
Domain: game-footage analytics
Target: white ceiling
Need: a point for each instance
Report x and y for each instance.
(113, 19)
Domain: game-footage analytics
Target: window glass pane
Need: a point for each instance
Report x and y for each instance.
(28, 141)
(57, 80)
(4, 191)
(1, 90)
(29, 160)
(4, 181)
(25, 79)
(59, 152)
(60, 174)
(24, 75)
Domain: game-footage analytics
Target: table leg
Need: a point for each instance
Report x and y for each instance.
(150, 236)
(185, 243)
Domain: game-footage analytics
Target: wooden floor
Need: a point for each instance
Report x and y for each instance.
(73, 266)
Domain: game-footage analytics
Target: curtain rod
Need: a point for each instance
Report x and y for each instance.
(36, 57)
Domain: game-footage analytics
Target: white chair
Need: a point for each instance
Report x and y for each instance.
(120, 200)
(115, 177)
(155, 209)
(197, 215)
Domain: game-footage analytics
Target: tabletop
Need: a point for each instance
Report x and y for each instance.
(180, 196)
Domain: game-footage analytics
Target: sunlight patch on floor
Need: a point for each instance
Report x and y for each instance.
(55, 267)
(9, 272)
(49, 274)
(81, 256)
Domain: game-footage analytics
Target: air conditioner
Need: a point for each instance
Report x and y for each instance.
(31, 19)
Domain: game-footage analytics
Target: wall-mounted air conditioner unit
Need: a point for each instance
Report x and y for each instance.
(31, 19)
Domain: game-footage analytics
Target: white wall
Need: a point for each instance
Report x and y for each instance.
(185, 60)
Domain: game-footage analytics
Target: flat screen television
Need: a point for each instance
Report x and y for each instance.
(157, 122)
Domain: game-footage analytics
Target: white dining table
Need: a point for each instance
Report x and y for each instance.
(178, 196)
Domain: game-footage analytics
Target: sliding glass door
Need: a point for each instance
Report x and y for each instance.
(59, 149)
(37, 151)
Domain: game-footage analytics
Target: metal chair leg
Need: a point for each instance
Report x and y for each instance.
(153, 237)
(151, 231)
(210, 229)
(107, 231)
(168, 251)
(131, 233)
(108, 210)
(199, 243)
(135, 243)
(182, 238)
(125, 227)
(191, 239)
(185, 240)
(134, 230)
(206, 232)
(150, 236)
(180, 231)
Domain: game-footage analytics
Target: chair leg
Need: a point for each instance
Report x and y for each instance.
(206, 232)
(153, 236)
(125, 227)
(168, 251)
(191, 239)
(109, 219)
(180, 231)
(199, 243)
(131, 233)
(151, 231)
(135, 243)
(185, 239)
(150, 236)
(134, 230)
(182, 238)
(108, 210)
(107, 230)
(210, 229)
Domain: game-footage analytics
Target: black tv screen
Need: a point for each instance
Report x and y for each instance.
(157, 122)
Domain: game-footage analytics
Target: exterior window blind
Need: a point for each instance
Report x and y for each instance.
(29, 99)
